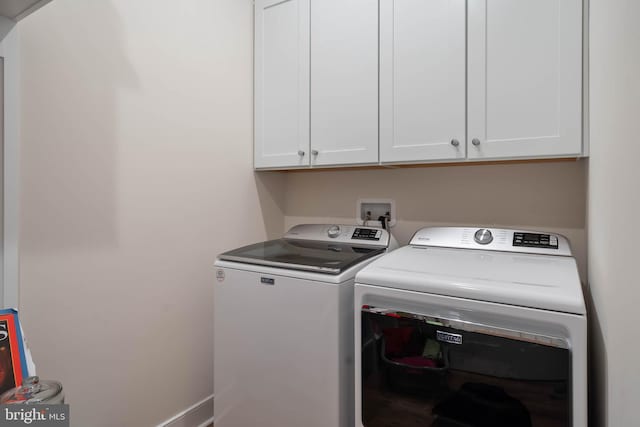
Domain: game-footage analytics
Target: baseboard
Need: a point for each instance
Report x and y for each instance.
(198, 415)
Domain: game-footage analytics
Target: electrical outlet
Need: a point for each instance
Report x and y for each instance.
(369, 210)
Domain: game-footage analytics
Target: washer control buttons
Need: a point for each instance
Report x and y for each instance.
(367, 234)
(535, 240)
(483, 236)
(334, 231)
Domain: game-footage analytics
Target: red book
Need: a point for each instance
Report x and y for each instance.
(13, 366)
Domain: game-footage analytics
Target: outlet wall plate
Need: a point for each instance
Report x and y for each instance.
(377, 207)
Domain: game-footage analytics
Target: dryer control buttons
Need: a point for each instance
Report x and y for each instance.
(333, 231)
(483, 236)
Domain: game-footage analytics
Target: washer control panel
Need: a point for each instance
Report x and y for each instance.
(341, 233)
(535, 240)
(366, 234)
(493, 239)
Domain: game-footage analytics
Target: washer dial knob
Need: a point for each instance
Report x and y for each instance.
(483, 236)
(334, 231)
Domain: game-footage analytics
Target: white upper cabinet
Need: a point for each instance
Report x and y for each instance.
(422, 80)
(281, 83)
(524, 78)
(357, 82)
(344, 82)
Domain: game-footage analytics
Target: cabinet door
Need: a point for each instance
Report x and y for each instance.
(344, 82)
(525, 78)
(422, 80)
(281, 83)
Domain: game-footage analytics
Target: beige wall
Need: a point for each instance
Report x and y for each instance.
(614, 210)
(11, 140)
(537, 196)
(136, 171)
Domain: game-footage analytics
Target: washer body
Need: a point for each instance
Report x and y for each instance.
(505, 313)
(283, 343)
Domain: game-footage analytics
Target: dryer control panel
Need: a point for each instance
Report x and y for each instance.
(493, 239)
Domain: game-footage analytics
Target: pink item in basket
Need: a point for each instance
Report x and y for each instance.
(417, 361)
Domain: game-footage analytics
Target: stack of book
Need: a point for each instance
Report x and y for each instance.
(13, 364)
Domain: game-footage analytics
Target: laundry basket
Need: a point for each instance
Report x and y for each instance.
(409, 372)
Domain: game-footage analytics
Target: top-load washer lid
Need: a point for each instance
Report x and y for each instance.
(328, 249)
(528, 269)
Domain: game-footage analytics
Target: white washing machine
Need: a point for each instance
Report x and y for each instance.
(283, 340)
(472, 327)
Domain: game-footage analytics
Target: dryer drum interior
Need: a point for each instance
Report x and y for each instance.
(421, 371)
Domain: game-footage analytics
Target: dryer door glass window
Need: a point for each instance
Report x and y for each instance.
(428, 372)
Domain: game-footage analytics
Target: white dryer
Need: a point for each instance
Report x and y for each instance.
(283, 331)
(472, 328)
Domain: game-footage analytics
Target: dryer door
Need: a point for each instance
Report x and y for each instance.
(421, 369)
